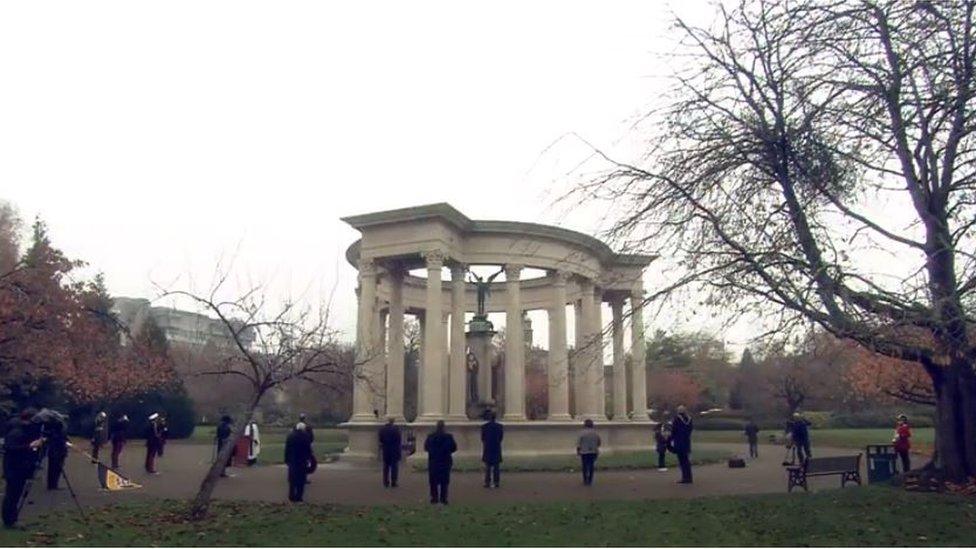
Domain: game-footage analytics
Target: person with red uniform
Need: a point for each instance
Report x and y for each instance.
(902, 442)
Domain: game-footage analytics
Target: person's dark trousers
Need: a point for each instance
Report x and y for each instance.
(753, 449)
(493, 473)
(661, 456)
(438, 487)
(94, 451)
(906, 461)
(296, 483)
(684, 461)
(55, 464)
(803, 451)
(588, 462)
(391, 472)
(151, 459)
(11, 498)
(116, 452)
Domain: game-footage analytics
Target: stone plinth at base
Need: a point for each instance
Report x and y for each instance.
(522, 439)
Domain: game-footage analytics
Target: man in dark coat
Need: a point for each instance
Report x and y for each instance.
(298, 454)
(681, 428)
(20, 445)
(222, 438)
(801, 437)
(492, 433)
(154, 442)
(391, 443)
(662, 434)
(57, 451)
(752, 435)
(439, 447)
(99, 434)
(118, 433)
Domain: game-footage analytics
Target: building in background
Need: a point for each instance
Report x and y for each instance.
(179, 327)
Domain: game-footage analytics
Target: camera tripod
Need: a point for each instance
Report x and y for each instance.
(39, 468)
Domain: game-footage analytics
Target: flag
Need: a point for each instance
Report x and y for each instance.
(112, 481)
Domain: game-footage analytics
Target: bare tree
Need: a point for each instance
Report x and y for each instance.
(815, 167)
(272, 344)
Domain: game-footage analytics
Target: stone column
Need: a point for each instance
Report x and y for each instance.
(514, 348)
(432, 405)
(381, 387)
(364, 377)
(459, 368)
(600, 382)
(619, 365)
(558, 356)
(394, 354)
(637, 354)
(578, 356)
(585, 362)
(422, 323)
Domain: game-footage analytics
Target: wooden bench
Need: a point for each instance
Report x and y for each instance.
(848, 467)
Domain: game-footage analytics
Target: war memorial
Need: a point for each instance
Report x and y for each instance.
(455, 382)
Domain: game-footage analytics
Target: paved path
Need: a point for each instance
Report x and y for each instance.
(184, 464)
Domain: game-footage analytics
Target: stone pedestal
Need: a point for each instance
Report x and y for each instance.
(479, 336)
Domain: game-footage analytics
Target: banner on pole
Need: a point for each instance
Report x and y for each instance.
(112, 481)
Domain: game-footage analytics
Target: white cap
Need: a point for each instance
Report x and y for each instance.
(153, 416)
(300, 426)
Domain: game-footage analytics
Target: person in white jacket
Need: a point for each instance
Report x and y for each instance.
(253, 436)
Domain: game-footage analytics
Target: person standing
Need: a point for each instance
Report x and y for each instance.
(99, 435)
(902, 442)
(224, 430)
(439, 446)
(302, 418)
(681, 430)
(154, 441)
(163, 434)
(57, 451)
(662, 431)
(253, 435)
(298, 455)
(752, 435)
(20, 445)
(118, 433)
(391, 443)
(801, 438)
(492, 434)
(588, 449)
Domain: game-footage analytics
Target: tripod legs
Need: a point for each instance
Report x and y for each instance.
(71, 491)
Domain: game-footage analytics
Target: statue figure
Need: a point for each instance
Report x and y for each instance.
(484, 288)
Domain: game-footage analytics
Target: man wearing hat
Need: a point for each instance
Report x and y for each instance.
(118, 433)
(99, 434)
(154, 442)
(391, 442)
(20, 446)
(298, 457)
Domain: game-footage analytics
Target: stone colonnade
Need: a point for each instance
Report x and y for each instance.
(379, 390)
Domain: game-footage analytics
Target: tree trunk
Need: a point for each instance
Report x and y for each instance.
(955, 421)
(201, 502)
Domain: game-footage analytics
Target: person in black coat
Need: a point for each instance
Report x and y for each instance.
(224, 430)
(801, 437)
(298, 454)
(118, 433)
(57, 452)
(662, 431)
(154, 442)
(391, 443)
(681, 428)
(439, 447)
(20, 445)
(492, 433)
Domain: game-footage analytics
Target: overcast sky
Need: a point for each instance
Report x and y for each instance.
(155, 138)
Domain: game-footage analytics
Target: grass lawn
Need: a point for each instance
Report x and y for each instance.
(327, 441)
(852, 517)
(630, 460)
(922, 438)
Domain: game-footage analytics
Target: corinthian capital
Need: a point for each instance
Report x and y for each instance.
(513, 271)
(560, 277)
(434, 258)
(367, 266)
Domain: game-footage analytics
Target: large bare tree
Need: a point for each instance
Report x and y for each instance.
(815, 164)
(272, 345)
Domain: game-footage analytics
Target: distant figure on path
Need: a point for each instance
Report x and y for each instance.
(298, 456)
(492, 433)
(801, 438)
(163, 433)
(154, 442)
(752, 435)
(391, 448)
(118, 434)
(588, 448)
(302, 418)
(681, 443)
(254, 442)
(99, 434)
(903, 443)
(439, 447)
(222, 438)
(662, 431)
